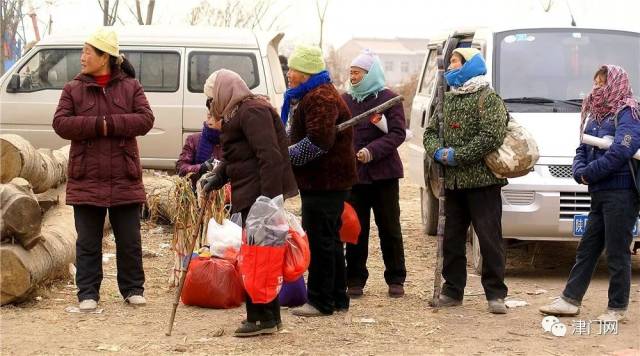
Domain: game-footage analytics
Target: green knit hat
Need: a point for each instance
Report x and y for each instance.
(307, 59)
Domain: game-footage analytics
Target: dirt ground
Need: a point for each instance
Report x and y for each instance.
(375, 324)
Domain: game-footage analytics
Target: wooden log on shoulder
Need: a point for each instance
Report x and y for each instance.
(20, 213)
(22, 270)
(43, 168)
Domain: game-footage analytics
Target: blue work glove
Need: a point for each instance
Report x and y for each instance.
(579, 177)
(445, 155)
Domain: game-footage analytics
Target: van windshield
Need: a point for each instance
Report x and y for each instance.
(551, 70)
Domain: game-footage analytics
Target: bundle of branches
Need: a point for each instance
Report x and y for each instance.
(185, 218)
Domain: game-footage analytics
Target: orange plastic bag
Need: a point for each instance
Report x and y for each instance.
(350, 229)
(297, 256)
(212, 283)
(261, 270)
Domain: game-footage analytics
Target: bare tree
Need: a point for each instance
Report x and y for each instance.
(10, 17)
(321, 16)
(138, 13)
(109, 13)
(338, 66)
(236, 13)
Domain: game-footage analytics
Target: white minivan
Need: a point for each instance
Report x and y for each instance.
(172, 64)
(542, 74)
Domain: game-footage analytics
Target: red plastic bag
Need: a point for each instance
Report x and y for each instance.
(297, 256)
(350, 229)
(261, 270)
(212, 283)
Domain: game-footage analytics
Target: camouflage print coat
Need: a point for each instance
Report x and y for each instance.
(472, 133)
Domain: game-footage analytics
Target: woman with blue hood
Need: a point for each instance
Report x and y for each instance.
(475, 121)
(379, 170)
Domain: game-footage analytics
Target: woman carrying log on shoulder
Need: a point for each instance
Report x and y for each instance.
(101, 111)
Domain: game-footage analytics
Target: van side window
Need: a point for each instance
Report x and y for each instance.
(156, 71)
(49, 69)
(202, 64)
(429, 76)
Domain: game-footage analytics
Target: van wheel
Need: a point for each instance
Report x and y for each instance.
(476, 256)
(429, 211)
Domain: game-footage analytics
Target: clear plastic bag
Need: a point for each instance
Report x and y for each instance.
(267, 223)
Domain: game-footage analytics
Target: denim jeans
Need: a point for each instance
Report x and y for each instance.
(612, 217)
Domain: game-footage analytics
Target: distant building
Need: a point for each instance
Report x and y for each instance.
(401, 58)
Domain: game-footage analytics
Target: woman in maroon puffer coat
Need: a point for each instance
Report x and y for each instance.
(101, 111)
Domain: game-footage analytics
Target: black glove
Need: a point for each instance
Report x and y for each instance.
(212, 182)
(205, 166)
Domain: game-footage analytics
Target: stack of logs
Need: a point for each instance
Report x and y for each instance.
(38, 234)
(36, 227)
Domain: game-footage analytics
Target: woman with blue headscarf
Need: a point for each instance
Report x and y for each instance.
(475, 122)
(379, 170)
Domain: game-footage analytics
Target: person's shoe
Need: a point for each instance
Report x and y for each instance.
(613, 315)
(88, 305)
(444, 301)
(355, 292)
(278, 324)
(396, 290)
(307, 310)
(560, 307)
(136, 300)
(497, 306)
(249, 328)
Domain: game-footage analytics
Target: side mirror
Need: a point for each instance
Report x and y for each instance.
(14, 84)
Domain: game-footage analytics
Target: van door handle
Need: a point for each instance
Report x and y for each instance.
(424, 117)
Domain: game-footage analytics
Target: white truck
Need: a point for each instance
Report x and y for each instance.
(542, 74)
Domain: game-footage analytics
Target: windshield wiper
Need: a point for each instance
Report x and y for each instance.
(539, 100)
(529, 100)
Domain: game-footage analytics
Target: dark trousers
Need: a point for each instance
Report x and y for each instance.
(383, 197)
(483, 208)
(260, 312)
(321, 219)
(125, 222)
(612, 217)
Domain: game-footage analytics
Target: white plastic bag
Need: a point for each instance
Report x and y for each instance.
(224, 240)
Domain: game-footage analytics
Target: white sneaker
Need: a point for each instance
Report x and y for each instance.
(88, 305)
(560, 307)
(613, 315)
(136, 300)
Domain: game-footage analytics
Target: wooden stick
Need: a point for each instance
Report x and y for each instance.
(183, 272)
(441, 86)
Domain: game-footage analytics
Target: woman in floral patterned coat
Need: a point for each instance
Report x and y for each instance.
(475, 124)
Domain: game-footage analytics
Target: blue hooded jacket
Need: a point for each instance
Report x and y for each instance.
(608, 169)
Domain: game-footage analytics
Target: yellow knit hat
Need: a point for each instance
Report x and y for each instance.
(307, 59)
(467, 53)
(105, 40)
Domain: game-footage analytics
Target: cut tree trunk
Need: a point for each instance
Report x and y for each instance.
(159, 199)
(20, 213)
(22, 270)
(43, 168)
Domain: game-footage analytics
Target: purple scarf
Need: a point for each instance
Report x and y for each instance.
(209, 138)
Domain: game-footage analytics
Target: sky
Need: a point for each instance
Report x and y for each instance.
(369, 18)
